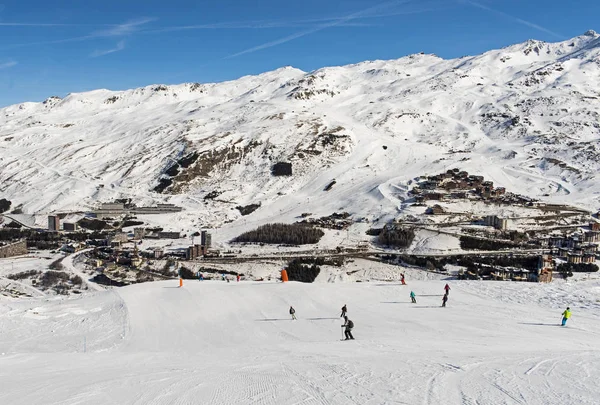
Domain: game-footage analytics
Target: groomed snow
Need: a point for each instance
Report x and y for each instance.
(233, 343)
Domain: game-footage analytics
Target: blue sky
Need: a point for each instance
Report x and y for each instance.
(56, 47)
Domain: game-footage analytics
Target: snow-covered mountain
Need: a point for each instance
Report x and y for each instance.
(526, 116)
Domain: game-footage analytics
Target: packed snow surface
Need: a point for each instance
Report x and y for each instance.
(234, 343)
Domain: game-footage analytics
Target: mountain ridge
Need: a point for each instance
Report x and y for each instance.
(526, 116)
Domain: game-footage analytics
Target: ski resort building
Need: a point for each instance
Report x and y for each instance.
(53, 223)
(169, 235)
(436, 210)
(592, 237)
(70, 227)
(496, 222)
(108, 210)
(545, 268)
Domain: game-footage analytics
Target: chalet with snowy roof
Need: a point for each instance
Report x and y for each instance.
(450, 185)
(476, 179)
(464, 185)
(459, 195)
(430, 185)
(436, 210)
(433, 196)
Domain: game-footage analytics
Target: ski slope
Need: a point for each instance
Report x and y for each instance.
(233, 343)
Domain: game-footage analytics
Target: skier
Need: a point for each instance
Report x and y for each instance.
(344, 310)
(566, 315)
(402, 279)
(238, 278)
(412, 297)
(447, 288)
(293, 313)
(444, 300)
(349, 325)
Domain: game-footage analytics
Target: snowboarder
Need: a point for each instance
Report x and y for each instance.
(412, 297)
(293, 313)
(402, 279)
(349, 325)
(447, 288)
(566, 315)
(344, 310)
(444, 300)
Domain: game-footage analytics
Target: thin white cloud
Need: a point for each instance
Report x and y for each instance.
(515, 19)
(8, 64)
(124, 29)
(120, 46)
(320, 27)
(21, 24)
(265, 24)
(247, 25)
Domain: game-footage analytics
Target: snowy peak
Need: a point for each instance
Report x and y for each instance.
(525, 115)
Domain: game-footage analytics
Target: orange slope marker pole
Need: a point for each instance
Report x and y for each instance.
(180, 282)
(284, 276)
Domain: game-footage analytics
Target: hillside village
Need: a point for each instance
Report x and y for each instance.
(482, 166)
(540, 240)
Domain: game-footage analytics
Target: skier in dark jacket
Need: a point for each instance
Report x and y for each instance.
(293, 313)
(444, 300)
(349, 325)
(344, 310)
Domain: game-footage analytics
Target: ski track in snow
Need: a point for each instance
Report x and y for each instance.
(233, 343)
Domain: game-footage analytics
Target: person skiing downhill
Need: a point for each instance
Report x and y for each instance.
(444, 300)
(447, 288)
(238, 278)
(566, 315)
(402, 279)
(412, 297)
(344, 310)
(349, 325)
(293, 313)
